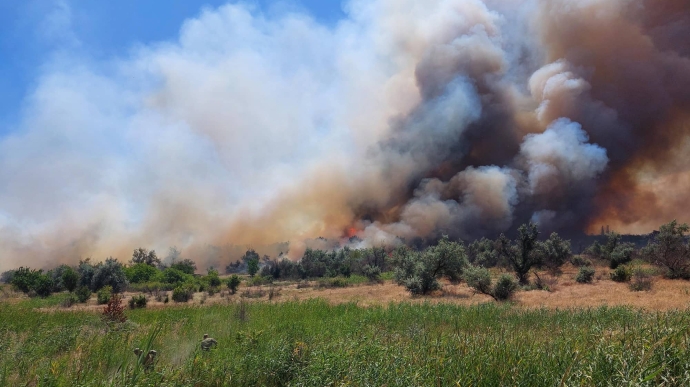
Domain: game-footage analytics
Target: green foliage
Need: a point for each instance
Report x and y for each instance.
(146, 257)
(138, 302)
(479, 278)
(585, 275)
(336, 282)
(482, 252)
(233, 283)
(523, 254)
(140, 273)
(110, 273)
(419, 272)
(175, 276)
(83, 294)
(614, 250)
(70, 279)
(670, 250)
(183, 293)
(555, 252)
(86, 270)
(579, 261)
(621, 274)
(212, 278)
(505, 287)
(104, 294)
(373, 273)
(186, 266)
(32, 282)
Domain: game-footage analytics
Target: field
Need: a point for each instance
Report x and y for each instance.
(360, 335)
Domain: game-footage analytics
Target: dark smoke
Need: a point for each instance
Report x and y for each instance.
(409, 119)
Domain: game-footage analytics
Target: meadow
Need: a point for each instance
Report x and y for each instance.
(316, 343)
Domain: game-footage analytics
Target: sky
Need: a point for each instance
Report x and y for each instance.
(33, 32)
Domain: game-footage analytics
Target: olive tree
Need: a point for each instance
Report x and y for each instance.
(670, 250)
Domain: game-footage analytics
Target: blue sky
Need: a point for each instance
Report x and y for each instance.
(101, 29)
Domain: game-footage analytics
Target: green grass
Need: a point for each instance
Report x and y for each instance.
(313, 343)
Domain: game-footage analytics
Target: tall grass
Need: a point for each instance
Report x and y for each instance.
(313, 343)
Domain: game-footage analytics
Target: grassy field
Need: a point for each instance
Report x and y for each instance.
(316, 343)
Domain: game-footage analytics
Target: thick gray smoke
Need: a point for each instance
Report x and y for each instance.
(407, 119)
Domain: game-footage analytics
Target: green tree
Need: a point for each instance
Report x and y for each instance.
(233, 283)
(556, 252)
(142, 255)
(523, 254)
(479, 279)
(616, 251)
(70, 279)
(110, 273)
(670, 250)
(140, 273)
(212, 278)
(186, 266)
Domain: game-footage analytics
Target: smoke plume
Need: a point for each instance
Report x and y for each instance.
(406, 119)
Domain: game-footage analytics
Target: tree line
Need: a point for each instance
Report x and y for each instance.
(418, 270)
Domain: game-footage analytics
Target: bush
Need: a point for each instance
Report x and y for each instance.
(620, 274)
(213, 279)
(140, 273)
(585, 275)
(175, 276)
(505, 287)
(233, 283)
(373, 273)
(110, 273)
(337, 282)
(83, 294)
(579, 261)
(187, 266)
(114, 312)
(641, 280)
(104, 294)
(69, 301)
(137, 302)
(419, 272)
(524, 253)
(479, 279)
(670, 251)
(183, 293)
(555, 252)
(259, 281)
(70, 279)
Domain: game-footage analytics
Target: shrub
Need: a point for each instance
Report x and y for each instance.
(505, 287)
(70, 279)
(140, 273)
(24, 279)
(143, 256)
(183, 293)
(523, 254)
(373, 273)
(620, 274)
(337, 282)
(641, 280)
(579, 261)
(186, 266)
(419, 272)
(114, 312)
(615, 250)
(83, 294)
(104, 294)
(175, 276)
(479, 279)
(213, 279)
(137, 302)
(259, 281)
(556, 252)
(110, 273)
(483, 253)
(670, 251)
(233, 283)
(585, 275)
(69, 301)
